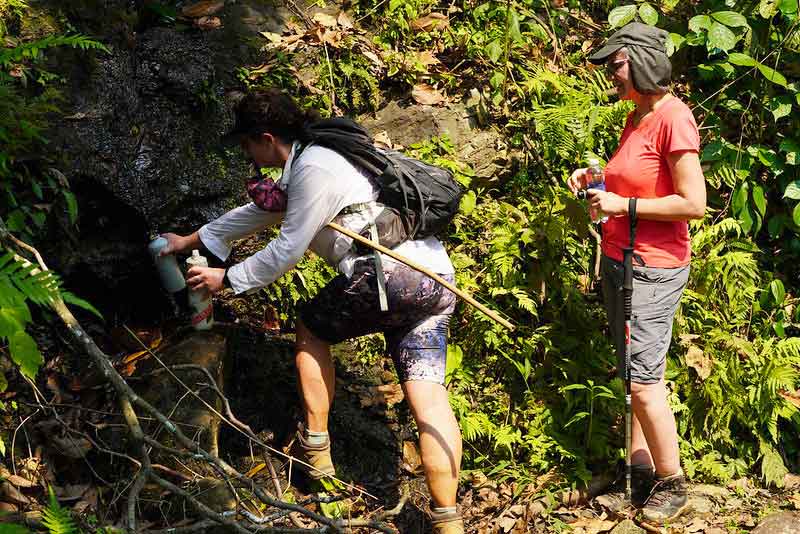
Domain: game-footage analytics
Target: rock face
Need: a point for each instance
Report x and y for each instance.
(192, 360)
(484, 150)
(140, 140)
(779, 523)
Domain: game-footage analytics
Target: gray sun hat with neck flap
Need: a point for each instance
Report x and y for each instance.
(650, 67)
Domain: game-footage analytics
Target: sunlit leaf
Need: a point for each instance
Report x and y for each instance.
(730, 18)
(781, 106)
(742, 60)
(648, 14)
(25, 353)
(700, 22)
(720, 36)
(772, 75)
(620, 16)
(760, 199)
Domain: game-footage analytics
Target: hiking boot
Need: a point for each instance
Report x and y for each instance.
(642, 480)
(447, 523)
(667, 500)
(318, 456)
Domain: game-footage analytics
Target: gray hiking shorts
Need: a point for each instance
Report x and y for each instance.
(656, 295)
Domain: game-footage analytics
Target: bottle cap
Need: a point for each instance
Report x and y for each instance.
(196, 253)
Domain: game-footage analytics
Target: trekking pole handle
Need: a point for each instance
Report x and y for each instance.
(627, 261)
(380, 248)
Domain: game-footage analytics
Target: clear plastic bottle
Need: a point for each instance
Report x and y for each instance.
(596, 179)
(200, 299)
(168, 270)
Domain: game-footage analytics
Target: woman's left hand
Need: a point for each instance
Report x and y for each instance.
(610, 204)
(205, 278)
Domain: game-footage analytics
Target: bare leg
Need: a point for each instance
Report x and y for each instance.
(640, 454)
(439, 439)
(658, 425)
(315, 377)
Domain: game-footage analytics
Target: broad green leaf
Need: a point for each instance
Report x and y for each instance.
(791, 148)
(494, 50)
(648, 14)
(788, 7)
(772, 75)
(792, 190)
(720, 36)
(730, 18)
(778, 291)
(620, 16)
(514, 26)
(768, 8)
(742, 60)
(674, 43)
(11, 528)
(780, 106)
(796, 214)
(25, 353)
(746, 220)
(777, 326)
(468, 202)
(772, 467)
(740, 198)
(72, 206)
(760, 199)
(775, 225)
(699, 22)
(572, 387)
(497, 79)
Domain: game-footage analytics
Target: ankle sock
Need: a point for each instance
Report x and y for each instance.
(679, 472)
(316, 438)
(444, 509)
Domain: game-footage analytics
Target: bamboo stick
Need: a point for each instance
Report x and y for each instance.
(361, 239)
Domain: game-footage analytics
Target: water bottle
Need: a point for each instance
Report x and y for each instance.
(596, 180)
(168, 270)
(200, 299)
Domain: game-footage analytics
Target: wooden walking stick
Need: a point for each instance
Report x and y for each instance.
(380, 248)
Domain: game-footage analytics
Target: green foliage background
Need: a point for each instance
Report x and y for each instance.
(544, 398)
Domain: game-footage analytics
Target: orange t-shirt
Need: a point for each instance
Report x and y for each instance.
(639, 169)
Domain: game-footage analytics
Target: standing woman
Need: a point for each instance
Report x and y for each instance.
(656, 162)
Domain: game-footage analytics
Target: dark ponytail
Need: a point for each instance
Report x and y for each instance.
(275, 112)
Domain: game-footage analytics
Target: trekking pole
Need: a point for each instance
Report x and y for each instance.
(380, 248)
(627, 295)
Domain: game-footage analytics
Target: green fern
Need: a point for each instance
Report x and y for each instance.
(33, 49)
(57, 519)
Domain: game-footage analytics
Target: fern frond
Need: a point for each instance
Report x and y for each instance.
(57, 519)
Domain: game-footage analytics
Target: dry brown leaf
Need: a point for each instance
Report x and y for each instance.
(507, 523)
(81, 506)
(699, 361)
(716, 530)
(411, 457)
(331, 37)
(593, 525)
(427, 58)
(382, 139)
(20, 482)
(430, 22)
(12, 494)
(791, 481)
(372, 56)
(323, 19)
(272, 37)
(423, 93)
(202, 9)
(7, 507)
(255, 470)
(697, 525)
(208, 23)
(72, 446)
(795, 500)
(16, 71)
(344, 20)
(794, 398)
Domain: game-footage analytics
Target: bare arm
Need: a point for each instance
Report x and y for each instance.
(688, 201)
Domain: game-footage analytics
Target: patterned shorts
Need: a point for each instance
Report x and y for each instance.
(415, 324)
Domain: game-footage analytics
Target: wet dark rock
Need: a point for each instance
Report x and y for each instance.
(140, 142)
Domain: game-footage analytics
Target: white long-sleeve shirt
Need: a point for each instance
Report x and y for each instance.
(319, 185)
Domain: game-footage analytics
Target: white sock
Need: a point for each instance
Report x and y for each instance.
(444, 509)
(316, 438)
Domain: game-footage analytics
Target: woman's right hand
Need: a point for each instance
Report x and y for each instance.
(175, 244)
(578, 180)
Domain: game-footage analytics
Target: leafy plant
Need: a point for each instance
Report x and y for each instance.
(57, 519)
